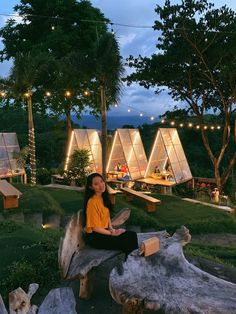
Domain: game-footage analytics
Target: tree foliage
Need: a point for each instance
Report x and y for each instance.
(196, 60)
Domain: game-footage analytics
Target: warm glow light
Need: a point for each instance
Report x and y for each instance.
(150, 158)
(2, 94)
(86, 93)
(181, 125)
(172, 123)
(162, 121)
(53, 27)
(45, 226)
(69, 149)
(212, 127)
(27, 95)
(112, 148)
(218, 127)
(48, 94)
(67, 93)
(190, 125)
(205, 127)
(198, 127)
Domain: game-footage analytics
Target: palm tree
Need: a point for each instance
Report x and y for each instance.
(23, 76)
(109, 70)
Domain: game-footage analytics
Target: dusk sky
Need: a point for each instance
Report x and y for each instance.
(133, 41)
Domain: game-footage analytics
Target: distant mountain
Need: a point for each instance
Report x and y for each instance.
(113, 122)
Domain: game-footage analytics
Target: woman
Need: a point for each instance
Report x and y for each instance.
(99, 231)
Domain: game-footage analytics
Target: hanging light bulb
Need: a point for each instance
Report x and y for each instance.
(172, 123)
(152, 118)
(129, 110)
(218, 127)
(67, 93)
(52, 27)
(162, 121)
(2, 93)
(86, 93)
(212, 127)
(198, 127)
(181, 125)
(141, 114)
(205, 127)
(48, 93)
(190, 125)
(116, 105)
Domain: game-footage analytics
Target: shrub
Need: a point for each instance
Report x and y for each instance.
(78, 168)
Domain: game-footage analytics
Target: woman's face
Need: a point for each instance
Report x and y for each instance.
(98, 185)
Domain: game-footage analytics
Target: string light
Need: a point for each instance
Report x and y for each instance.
(152, 118)
(181, 125)
(190, 125)
(48, 94)
(129, 110)
(3, 94)
(162, 121)
(141, 114)
(67, 93)
(172, 123)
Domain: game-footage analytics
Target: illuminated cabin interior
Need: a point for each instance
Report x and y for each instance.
(127, 157)
(9, 167)
(86, 139)
(167, 159)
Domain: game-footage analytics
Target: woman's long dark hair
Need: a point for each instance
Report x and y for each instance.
(89, 192)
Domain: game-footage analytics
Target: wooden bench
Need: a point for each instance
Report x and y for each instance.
(56, 178)
(79, 261)
(151, 202)
(112, 194)
(10, 195)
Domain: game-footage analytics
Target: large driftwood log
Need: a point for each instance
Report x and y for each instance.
(19, 300)
(167, 281)
(59, 301)
(77, 260)
(2, 306)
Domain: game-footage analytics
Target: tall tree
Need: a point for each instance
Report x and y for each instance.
(108, 69)
(196, 60)
(24, 74)
(68, 31)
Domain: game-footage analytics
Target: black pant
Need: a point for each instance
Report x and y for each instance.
(126, 242)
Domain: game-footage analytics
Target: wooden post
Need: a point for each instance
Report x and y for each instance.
(86, 285)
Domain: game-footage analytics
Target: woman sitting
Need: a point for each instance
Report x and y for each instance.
(99, 231)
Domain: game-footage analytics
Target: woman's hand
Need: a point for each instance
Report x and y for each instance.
(117, 232)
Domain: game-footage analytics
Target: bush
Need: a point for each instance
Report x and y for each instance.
(79, 167)
(43, 176)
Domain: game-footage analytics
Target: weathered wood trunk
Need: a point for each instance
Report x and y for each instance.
(59, 301)
(2, 306)
(167, 281)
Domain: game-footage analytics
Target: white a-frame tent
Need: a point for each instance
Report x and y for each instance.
(168, 157)
(86, 139)
(8, 163)
(127, 148)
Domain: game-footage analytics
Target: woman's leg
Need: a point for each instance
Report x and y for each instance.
(126, 242)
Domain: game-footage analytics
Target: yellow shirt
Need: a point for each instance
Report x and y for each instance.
(97, 215)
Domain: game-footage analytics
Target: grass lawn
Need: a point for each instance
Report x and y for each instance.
(30, 255)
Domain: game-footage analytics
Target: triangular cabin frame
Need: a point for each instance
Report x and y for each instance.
(127, 148)
(168, 157)
(8, 164)
(86, 139)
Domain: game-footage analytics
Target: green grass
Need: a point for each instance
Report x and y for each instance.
(30, 255)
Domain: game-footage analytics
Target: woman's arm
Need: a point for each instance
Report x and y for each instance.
(102, 231)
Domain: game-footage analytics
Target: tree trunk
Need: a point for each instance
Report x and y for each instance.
(68, 123)
(31, 140)
(104, 130)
